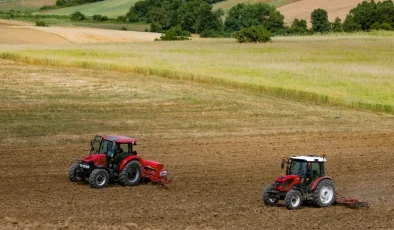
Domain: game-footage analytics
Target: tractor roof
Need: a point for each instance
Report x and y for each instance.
(120, 139)
(309, 158)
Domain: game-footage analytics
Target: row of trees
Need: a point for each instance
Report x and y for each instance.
(194, 16)
(366, 16)
(197, 16)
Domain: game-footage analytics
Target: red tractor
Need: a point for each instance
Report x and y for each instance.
(113, 158)
(305, 181)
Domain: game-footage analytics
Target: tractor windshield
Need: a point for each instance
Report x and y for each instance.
(298, 168)
(95, 145)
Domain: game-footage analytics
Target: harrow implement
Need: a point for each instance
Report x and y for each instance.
(350, 202)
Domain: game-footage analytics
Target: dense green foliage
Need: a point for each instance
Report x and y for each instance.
(77, 16)
(245, 16)
(67, 3)
(299, 27)
(367, 14)
(99, 18)
(195, 16)
(253, 34)
(41, 23)
(320, 23)
(336, 26)
(174, 34)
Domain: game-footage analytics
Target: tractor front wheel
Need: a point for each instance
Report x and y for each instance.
(99, 178)
(72, 173)
(268, 198)
(293, 199)
(131, 174)
(324, 194)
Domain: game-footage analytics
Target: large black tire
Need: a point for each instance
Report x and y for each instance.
(324, 194)
(131, 174)
(99, 178)
(72, 173)
(293, 199)
(268, 198)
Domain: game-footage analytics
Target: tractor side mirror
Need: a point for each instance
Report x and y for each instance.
(282, 165)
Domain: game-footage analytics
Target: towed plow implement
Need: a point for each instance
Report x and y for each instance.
(350, 202)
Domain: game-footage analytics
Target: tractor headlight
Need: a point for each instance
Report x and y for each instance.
(163, 173)
(84, 166)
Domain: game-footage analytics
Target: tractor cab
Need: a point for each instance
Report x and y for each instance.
(310, 167)
(112, 149)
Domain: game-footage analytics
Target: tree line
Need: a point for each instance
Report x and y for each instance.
(198, 16)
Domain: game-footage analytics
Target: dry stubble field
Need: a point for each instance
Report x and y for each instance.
(221, 147)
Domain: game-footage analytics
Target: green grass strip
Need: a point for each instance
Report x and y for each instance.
(292, 94)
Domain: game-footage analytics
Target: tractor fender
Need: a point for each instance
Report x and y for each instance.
(127, 160)
(317, 181)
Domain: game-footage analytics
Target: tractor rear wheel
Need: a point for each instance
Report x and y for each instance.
(72, 173)
(99, 178)
(268, 198)
(131, 174)
(293, 199)
(324, 194)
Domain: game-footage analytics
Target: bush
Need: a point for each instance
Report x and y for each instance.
(41, 23)
(156, 27)
(97, 17)
(382, 26)
(77, 16)
(123, 28)
(48, 7)
(386, 26)
(173, 34)
(253, 34)
(121, 19)
(210, 34)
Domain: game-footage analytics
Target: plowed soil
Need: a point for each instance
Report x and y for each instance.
(303, 9)
(217, 179)
(217, 184)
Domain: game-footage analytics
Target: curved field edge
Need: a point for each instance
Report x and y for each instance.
(288, 93)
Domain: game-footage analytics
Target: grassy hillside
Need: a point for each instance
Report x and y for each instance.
(110, 8)
(24, 5)
(354, 70)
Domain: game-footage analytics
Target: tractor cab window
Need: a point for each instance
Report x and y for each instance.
(103, 147)
(95, 145)
(316, 170)
(298, 168)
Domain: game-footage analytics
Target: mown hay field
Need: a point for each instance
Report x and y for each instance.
(355, 70)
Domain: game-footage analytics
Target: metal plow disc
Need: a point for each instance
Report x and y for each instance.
(350, 202)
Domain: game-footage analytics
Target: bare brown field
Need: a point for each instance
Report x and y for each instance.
(303, 9)
(17, 35)
(16, 32)
(221, 147)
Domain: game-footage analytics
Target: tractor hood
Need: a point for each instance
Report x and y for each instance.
(285, 183)
(97, 159)
(285, 178)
